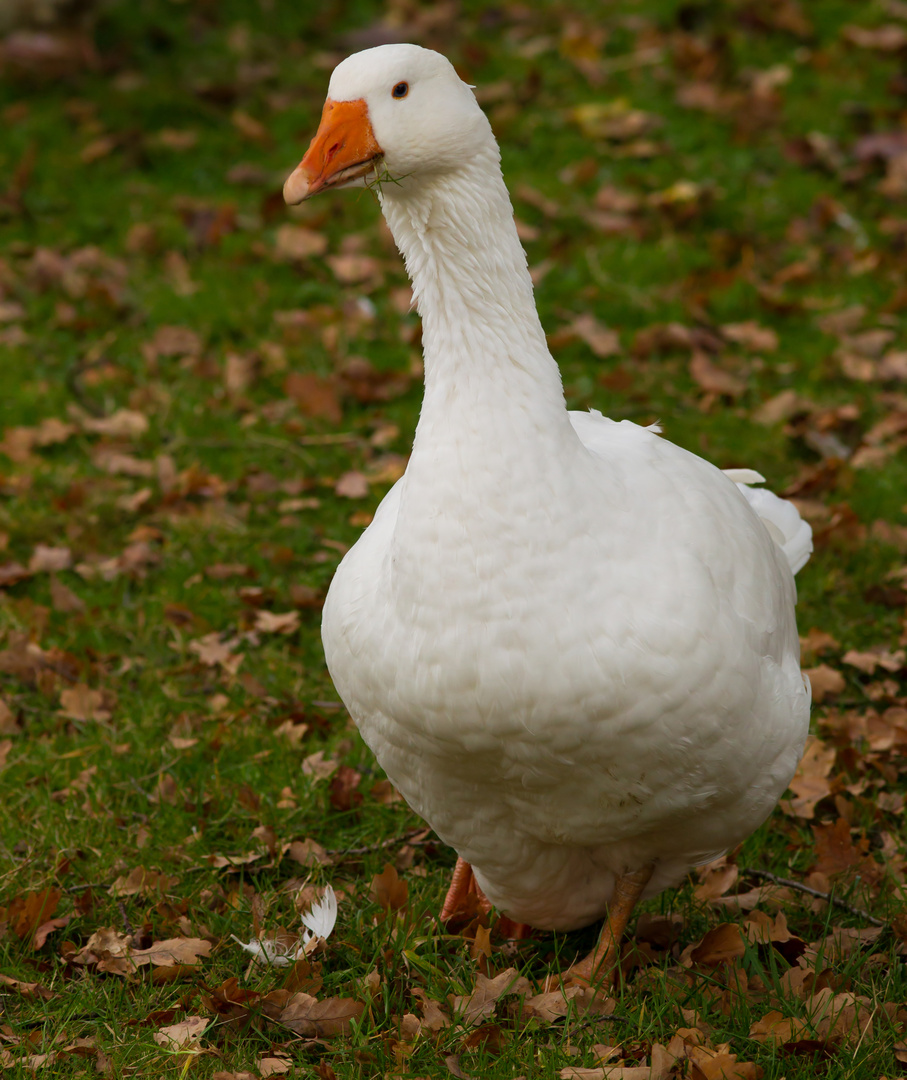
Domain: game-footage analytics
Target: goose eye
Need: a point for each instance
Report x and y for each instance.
(400, 90)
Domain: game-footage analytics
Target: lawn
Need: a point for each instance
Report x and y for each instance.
(205, 395)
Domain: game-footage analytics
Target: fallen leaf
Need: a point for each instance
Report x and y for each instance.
(825, 682)
(719, 946)
(480, 1004)
(186, 1033)
(388, 890)
(315, 1019)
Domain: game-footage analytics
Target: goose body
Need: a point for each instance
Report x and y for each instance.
(570, 643)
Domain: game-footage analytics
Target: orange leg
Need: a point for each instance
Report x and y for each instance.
(464, 895)
(463, 885)
(602, 962)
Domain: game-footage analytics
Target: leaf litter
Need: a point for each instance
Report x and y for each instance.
(177, 493)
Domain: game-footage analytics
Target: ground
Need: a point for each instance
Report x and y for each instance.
(205, 396)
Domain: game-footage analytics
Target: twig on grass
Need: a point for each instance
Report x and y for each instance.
(829, 898)
(406, 838)
(127, 925)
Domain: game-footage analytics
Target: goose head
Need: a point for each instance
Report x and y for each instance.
(399, 108)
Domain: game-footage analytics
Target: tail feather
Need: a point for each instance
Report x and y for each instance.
(782, 519)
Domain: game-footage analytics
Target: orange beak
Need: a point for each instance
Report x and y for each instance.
(344, 149)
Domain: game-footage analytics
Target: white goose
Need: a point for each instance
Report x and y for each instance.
(570, 644)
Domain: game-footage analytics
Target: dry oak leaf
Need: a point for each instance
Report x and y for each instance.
(28, 990)
(274, 1066)
(9, 725)
(314, 396)
(433, 1016)
(824, 681)
(272, 622)
(710, 1064)
(307, 853)
(713, 379)
(49, 559)
(63, 599)
(840, 1016)
(607, 1072)
(25, 914)
(777, 1028)
(80, 702)
(810, 783)
(869, 660)
(318, 767)
(480, 1004)
(388, 890)
(122, 424)
(142, 881)
(551, 1005)
(315, 1019)
(186, 1033)
(295, 243)
(352, 485)
(719, 946)
(715, 879)
(835, 851)
(751, 335)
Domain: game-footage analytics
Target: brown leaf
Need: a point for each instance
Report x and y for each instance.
(810, 783)
(272, 622)
(708, 1064)
(26, 913)
(64, 599)
(142, 882)
(352, 485)
(308, 853)
(314, 396)
(877, 657)
(825, 682)
(388, 890)
(551, 1005)
(26, 989)
(295, 243)
(319, 767)
(433, 1016)
(719, 946)
(9, 725)
(777, 1028)
(751, 335)
(480, 1004)
(315, 1019)
(80, 702)
(835, 850)
(122, 424)
(713, 379)
(186, 1033)
(888, 38)
(49, 559)
(715, 880)
(344, 793)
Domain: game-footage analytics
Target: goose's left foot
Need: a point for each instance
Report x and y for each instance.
(464, 897)
(601, 965)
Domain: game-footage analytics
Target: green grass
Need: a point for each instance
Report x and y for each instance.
(189, 760)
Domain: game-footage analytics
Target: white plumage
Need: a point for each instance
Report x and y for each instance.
(570, 643)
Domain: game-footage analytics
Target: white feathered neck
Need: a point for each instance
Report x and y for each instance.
(484, 347)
